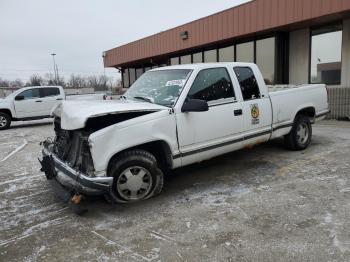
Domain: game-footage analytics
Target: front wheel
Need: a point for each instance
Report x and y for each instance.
(299, 137)
(5, 121)
(137, 176)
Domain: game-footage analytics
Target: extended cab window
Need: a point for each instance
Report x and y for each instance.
(30, 93)
(248, 83)
(212, 84)
(50, 91)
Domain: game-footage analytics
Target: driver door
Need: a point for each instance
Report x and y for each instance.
(31, 105)
(203, 135)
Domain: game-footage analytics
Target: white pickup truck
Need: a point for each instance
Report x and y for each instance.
(172, 117)
(35, 102)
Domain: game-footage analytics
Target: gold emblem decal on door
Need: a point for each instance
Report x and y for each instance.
(254, 110)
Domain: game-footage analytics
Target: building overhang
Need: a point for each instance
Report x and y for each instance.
(250, 19)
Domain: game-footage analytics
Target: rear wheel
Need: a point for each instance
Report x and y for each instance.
(5, 121)
(137, 176)
(299, 137)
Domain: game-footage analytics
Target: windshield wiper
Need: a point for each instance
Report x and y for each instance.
(144, 99)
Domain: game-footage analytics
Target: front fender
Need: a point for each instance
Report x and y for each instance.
(114, 139)
(6, 105)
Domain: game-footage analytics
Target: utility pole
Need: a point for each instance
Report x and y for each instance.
(104, 72)
(55, 68)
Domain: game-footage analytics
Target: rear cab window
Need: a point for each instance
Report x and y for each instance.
(212, 85)
(248, 83)
(50, 91)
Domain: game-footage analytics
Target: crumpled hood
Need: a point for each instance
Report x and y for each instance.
(74, 114)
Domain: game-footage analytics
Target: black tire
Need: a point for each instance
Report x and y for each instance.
(5, 121)
(134, 159)
(293, 141)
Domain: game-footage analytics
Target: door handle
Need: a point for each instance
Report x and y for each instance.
(59, 99)
(238, 112)
(38, 101)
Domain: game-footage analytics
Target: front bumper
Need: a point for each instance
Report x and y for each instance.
(72, 180)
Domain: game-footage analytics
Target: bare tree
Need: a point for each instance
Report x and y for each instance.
(97, 82)
(60, 81)
(76, 81)
(35, 80)
(4, 83)
(17, 83)
(49, 79)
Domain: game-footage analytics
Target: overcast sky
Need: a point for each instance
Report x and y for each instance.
(78, 31)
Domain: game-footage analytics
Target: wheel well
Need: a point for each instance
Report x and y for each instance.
(6, 111)
(308, 111)
(160, 149)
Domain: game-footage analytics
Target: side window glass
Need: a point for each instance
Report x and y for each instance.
(247, 82)
(212, 84)
(30, 93)
(51, 91)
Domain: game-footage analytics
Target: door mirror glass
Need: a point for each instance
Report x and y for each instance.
(195, 105)
(18, 98)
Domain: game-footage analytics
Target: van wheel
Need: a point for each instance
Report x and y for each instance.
(299, 137)
(137, 176)
(5, 121)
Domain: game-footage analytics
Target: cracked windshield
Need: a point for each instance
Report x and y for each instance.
(161, 87)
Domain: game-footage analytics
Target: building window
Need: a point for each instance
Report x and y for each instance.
(210, 56)
(186, 59)
(227, 54)
(197, 58)
(139, 72)
(126, 77)
(212, 84)
(326, 50)
(132, 75)
(174, 61)
(148, 68)
(265, 59)
(247, 81)
(245, 52)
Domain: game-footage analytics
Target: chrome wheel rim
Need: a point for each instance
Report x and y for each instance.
(3, 121)
(134, 183)
(302, 133)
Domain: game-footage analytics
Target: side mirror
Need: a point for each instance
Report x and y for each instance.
(195, 105)
(17, 98)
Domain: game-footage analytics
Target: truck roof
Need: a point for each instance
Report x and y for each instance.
(41, 86)
(203, 65)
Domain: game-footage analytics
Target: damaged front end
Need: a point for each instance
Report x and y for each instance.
(67, 160)
(72, 147)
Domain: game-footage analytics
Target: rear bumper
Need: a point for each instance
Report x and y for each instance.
(72, 180)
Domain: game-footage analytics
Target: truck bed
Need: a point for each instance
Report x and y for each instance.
(277, 88)
(287, 100)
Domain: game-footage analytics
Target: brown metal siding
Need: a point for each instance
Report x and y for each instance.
(255, 16)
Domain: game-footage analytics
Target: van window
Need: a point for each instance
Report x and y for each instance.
(50, 91)
(212, 84)
(247, 81)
